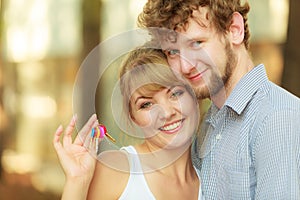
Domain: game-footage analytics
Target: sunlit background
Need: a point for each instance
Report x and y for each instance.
(42, 45)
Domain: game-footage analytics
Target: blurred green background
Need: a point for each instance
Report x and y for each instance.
(42, 45)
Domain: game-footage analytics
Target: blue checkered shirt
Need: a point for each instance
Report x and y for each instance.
(251, 149)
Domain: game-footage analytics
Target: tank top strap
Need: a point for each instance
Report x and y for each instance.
(134, 161)
(137, 187)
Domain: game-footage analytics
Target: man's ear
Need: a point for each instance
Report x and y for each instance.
(236, 28)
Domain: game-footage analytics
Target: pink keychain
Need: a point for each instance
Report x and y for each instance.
(98, 133)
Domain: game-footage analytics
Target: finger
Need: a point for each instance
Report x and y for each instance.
(71, 125)
(57, 135)
(96, 123)
(86, 138)
(86, 130)
(67, 139)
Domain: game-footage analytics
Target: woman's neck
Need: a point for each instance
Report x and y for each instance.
(168, 161)
(182, 168)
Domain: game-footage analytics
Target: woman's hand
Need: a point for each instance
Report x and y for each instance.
(75, 159)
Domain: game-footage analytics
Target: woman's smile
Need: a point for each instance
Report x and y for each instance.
(172, 127)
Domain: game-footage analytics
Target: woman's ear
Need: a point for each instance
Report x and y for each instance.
(236, 29)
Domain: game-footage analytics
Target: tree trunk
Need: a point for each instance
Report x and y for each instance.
(91, 38)
(291, 72)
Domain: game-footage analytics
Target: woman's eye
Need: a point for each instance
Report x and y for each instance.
(196, 44)
(145, 105)
(177, 93)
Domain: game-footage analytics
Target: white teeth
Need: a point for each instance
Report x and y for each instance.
(171, 127)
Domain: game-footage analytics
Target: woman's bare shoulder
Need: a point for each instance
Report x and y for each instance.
(114, 160)
(111, 175)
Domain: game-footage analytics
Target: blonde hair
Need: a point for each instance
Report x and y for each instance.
(146, 70)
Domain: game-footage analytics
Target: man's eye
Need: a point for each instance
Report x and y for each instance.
(145, 105)
(196, 44)
(173, 52)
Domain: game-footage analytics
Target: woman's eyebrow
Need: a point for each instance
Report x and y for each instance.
(141, 97)
(171, 88)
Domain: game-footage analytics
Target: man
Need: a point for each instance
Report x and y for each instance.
(251, 148)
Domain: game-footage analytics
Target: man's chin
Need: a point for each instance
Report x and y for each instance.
(202, 93)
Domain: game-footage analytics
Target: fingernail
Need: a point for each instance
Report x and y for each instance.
(94, 116)
(60, 127)
(75, 116)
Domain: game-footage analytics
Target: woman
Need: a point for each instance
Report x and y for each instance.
(163, 107)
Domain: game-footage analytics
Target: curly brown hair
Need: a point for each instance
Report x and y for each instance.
(171, 14)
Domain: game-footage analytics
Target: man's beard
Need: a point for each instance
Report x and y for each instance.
(216, 83)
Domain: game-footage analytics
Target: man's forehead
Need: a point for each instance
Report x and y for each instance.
(180, 41)
(183, 38)
(165, 45)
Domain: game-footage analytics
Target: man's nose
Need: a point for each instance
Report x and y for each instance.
(186, 64)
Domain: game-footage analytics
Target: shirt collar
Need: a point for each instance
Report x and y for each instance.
(246, 88)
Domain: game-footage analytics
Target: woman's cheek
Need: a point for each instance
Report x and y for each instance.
(143, 119)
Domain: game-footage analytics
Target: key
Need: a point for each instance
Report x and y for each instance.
(97, 134)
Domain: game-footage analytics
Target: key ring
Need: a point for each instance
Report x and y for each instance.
(98, 133)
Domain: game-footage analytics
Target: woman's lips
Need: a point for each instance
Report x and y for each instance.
(172, 127)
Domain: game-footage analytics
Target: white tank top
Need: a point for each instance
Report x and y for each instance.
(137, 187)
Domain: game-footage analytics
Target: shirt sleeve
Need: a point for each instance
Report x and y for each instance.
(277, 156)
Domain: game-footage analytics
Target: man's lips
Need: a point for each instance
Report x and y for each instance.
(172, 127)
(197, 77)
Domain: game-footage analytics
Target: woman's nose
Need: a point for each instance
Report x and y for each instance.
(167, 110)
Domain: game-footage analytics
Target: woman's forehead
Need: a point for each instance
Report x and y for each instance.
(149, 89)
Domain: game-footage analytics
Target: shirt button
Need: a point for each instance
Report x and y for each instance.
(218, 137)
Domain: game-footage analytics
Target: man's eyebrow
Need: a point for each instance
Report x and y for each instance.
(168, 48)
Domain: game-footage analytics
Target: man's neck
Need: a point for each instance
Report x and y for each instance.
(244, 65)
